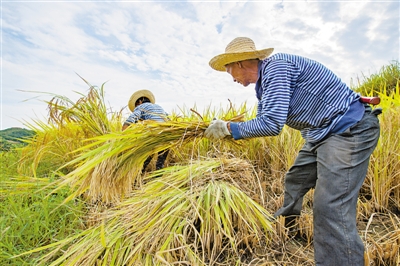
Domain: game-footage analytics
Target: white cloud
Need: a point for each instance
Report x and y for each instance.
(166, 47)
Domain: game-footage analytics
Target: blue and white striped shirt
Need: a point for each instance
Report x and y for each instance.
(300, 93)
(147, 111)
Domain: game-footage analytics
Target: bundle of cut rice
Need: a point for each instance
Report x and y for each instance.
(197, 214)
(113, 162)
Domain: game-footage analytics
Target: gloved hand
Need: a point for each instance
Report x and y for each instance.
(217, 129)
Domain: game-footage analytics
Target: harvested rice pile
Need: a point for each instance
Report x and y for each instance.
(201, 214)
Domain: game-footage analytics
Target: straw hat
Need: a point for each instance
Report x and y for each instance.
(241, 48)
(139, 94)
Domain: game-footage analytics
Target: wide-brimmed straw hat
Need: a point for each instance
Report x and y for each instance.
(241, 48)
(139, 94)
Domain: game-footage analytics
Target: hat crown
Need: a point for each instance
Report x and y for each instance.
(139, 94)
(240, 45)
(239, 49)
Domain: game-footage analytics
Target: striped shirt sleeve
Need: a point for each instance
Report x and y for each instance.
(274, 104)
(300, 93)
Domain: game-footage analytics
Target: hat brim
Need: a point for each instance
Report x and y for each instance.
(220, 61)
(139, 94)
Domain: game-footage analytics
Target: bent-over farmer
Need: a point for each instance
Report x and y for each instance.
(143, 107)
(340, 133)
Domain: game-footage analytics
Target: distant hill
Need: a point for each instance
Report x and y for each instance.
(11, 137)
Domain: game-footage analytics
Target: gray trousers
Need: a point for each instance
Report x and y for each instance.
(336, 167)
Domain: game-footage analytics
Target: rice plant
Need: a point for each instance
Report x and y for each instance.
(209, 206)
(201, 214)
(372, 84)
(68, 125)
(30, 220)
(382, 182)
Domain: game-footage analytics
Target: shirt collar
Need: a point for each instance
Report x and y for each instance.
(258, 86)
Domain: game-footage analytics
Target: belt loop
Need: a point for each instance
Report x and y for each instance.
(367, 107)
(377, 111)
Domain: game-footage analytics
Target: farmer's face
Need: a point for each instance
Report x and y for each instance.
(240, 73)
(138, 102)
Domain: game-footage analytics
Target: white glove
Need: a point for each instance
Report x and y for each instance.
(217, 129)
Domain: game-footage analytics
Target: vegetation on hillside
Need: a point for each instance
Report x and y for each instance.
(76, 195)
(12, 137)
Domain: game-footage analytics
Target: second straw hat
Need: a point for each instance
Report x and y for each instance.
(139, 94)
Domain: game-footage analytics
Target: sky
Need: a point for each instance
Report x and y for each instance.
(165, 47)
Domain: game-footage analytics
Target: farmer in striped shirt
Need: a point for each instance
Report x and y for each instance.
(340, 134)
(143, 107)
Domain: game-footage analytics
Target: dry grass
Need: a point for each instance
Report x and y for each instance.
(209, 207)
(203, 214)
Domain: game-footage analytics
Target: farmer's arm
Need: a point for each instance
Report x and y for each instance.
(125, 126)
(133, 118)
(273, 106)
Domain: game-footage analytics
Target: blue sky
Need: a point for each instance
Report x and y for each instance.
(165, 46)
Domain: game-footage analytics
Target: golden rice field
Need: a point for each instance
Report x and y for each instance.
(76, 195)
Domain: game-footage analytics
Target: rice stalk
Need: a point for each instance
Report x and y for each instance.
(21, 185)
(112, 163)
(382, 240)
(69, 124)
(49, 149)
(193, 214)
(384, 171)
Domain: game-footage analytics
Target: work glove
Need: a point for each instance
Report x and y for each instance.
(217, 129)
